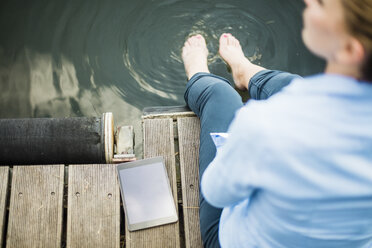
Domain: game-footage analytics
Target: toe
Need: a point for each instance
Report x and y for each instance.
(236, 42)
(231, 40)
(194, 40)
(198, 40)
(201, 39)
(187, 43)
(192, 43)
(224, 39)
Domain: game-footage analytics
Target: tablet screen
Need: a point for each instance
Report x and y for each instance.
(146, 192)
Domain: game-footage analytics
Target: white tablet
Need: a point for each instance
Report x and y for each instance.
(146, 193)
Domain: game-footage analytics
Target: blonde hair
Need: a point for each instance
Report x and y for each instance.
(358, 16)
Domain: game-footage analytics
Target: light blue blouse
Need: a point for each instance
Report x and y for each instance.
(296, 170)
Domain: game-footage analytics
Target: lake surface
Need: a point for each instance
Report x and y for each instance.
(85, 57)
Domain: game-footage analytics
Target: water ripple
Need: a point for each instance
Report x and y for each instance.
(85, 57)
(153, 47)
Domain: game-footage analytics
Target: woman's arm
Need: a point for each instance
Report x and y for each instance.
(232, 176)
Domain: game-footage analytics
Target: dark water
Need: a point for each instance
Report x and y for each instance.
(85, 57)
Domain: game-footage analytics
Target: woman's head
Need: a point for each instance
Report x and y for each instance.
(341, 32)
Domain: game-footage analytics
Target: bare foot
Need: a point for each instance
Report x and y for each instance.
(194, 55)
(242, 69)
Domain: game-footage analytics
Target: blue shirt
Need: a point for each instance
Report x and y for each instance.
(296, 170)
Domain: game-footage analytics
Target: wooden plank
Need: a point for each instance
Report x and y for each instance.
(93, 218)
(174, 116)
(154, 110)
(4, 175)
(165, 112)
(188, 140)
(158, 141)
(35, 212)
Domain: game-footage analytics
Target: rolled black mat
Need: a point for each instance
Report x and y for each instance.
(52, 141)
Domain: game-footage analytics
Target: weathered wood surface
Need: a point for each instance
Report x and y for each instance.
(158, 141)
(93, 218)
(4, 175)
(172, 112)
(188, 139)
(166, 116)
(93, 214)
(165, 111)
(35, 212)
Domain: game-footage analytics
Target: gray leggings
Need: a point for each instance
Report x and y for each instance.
(215, 102)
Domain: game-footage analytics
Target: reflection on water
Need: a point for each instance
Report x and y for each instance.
(86, 57)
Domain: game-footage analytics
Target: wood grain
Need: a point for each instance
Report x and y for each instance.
(4, 175)
(35, 212)
(93, 218)
(158, 141)
(188, 135)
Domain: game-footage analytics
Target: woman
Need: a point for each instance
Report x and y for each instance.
(296, 170)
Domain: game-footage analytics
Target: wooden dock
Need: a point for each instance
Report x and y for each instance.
(80, 205)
